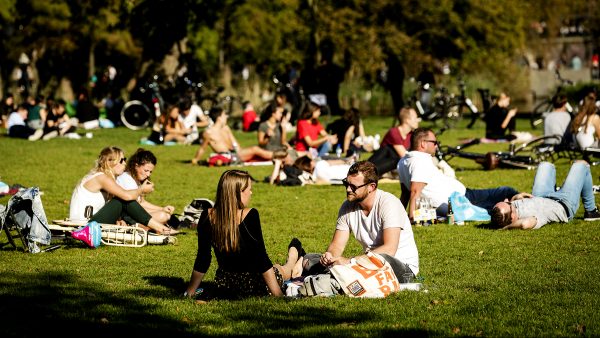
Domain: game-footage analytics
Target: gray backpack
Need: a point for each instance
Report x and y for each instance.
(320, 285)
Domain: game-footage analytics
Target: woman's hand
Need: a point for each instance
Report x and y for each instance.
(147, 187)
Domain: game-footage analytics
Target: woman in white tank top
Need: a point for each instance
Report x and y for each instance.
(586, 125)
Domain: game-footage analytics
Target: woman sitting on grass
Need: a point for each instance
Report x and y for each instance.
(110, 203)
(138, 169)
(234, 232)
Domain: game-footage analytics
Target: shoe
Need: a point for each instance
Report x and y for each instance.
(596, 189)
(50, 135)
(592, 215)
(298, 245)
(73, 136)
(37, 135)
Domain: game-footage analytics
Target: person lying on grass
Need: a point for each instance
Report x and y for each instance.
(220, 138)
(110, 203)
(234, 232)
(546, 204)
(420, 177)
(378, 221)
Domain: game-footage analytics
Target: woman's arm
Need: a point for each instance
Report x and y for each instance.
(108, 184)
(263, 137)
(194, 283)
(272, 283)
(509, 116)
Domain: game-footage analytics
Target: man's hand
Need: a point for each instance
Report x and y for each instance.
(327, 259)
(521, 196)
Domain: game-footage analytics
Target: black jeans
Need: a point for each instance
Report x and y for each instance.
(385, 159)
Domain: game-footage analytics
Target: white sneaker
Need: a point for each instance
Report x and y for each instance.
(50, 135)
(73, 136)
(36, 136)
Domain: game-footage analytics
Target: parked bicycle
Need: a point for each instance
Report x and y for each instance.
(525, 156)
(144, 107)
(444, 105)
(537, 114)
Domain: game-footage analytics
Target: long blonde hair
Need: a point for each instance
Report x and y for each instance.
(228, 203)
(107, 159)
(587, 110)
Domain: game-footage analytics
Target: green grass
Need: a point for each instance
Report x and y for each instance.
(480, 282)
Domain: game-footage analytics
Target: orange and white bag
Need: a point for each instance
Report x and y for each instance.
(366, 276)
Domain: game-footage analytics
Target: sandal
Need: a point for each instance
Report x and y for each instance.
(298, 245)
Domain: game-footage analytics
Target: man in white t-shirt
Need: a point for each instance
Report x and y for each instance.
(192, 118)
(378, 220)
(419, 177)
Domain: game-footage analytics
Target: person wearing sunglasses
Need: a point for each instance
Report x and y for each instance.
(420, 177)
(378, 221)
(109, 202)
(546, 204)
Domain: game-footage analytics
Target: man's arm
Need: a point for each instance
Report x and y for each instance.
(522, 223)
(391, 238)
(415, 192)
(333, 255)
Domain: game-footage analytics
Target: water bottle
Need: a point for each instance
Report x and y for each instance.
(450, 213)
(338, 151)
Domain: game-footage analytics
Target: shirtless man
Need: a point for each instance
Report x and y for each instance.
(221, 140)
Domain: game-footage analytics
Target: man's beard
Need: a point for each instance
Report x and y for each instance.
(353, 197)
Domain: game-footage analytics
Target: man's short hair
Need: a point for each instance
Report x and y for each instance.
(499, 218)
(419, 135)
(404, 114)
(367, 169)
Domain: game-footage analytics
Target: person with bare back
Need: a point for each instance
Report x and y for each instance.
(221, 140)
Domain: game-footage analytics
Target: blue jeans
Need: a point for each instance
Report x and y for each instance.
(324, 149)
(487, 198)
(578, 183)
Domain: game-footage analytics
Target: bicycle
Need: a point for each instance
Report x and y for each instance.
(537, 114)
(525, 156)
(145, 107)
(445, 106)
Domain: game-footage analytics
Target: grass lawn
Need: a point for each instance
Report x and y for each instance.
(479, 282)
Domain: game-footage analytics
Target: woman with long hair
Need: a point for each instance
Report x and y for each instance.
(586, 124)
(234, 232)
(109, 202)
(138, 170)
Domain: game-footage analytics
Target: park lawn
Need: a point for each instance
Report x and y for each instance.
(479, 282)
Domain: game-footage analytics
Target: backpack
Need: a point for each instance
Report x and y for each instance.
(192, 212)
(323, 285)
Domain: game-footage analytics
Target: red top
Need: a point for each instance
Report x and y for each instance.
(394, 138)
(247, 118)
(305, 128)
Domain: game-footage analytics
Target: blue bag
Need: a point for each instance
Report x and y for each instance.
(465, 211)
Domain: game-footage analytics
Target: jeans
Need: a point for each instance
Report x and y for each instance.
(487, 198)
(324, 149)
(385, 159)
(578, 183)
(401, 270)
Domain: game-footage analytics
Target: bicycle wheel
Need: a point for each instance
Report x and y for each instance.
(135, 115)
(537, 150)
(537, 114)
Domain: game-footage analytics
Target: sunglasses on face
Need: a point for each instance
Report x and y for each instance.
(352, 186)
(123, 160)
(435, 142)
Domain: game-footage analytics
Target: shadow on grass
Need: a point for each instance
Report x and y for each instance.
(35, 305)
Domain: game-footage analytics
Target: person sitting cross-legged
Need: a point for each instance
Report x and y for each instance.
(220, 138)
(546, 204)
(378, 220)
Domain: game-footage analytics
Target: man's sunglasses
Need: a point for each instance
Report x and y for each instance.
(352, 186)
(437, 143)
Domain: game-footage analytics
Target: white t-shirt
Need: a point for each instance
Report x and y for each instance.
(387, 212)
(417, 166)
(127, 182)
(82, 197)
(556, 123)
(189, 121)
(325, 172)
(15, 119)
